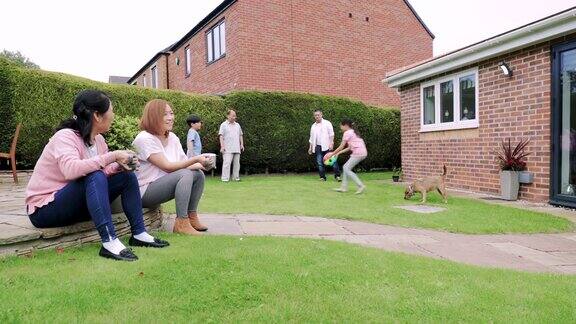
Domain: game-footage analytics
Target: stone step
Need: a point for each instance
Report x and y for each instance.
(24, 239)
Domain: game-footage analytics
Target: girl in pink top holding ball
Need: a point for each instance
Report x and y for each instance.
(351, 141)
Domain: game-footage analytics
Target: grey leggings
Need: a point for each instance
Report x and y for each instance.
(184, 185)
(348, 173)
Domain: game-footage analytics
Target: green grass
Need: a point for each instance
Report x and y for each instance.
(305, 195)
(262, 279)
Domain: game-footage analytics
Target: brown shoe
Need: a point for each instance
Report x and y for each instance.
(182, 226)
(195, 222)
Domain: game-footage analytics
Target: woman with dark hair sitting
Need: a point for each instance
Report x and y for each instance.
(76, 178)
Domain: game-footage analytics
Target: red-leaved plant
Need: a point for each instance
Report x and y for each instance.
(512, 159)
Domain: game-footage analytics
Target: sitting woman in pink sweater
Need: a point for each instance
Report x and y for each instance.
(76, 178)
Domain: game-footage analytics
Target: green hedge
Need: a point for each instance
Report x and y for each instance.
(276, 125)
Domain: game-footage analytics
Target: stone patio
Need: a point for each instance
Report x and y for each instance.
(555, 253)
(536, 253)
(19, 237)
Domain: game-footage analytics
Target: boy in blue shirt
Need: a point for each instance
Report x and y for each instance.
(194, 144)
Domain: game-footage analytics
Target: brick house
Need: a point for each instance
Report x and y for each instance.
(458, 107)
(331, 47)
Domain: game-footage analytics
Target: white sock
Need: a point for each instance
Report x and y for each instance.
(114, 246)
(144, 237)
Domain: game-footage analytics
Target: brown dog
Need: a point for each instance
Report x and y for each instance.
(425, 185)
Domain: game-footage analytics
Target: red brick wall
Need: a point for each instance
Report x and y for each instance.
(218, 77)
(160, 63)
(313, 46)
(307, 46)
(517, 107)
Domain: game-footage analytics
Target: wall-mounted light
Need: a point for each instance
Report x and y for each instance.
(506, 70)
(177, 61)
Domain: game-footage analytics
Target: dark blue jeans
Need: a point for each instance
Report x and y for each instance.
(89, 198)
(320, 161)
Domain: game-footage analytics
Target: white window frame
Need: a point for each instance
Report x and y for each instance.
(154, 76)
(457, 123)
(188, 63)
(214, 52)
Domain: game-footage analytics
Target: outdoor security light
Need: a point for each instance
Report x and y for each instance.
(505, 69)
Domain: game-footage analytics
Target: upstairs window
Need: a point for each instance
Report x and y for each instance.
(450, 102)
(216, 42)
(187, 63)
(154, 77)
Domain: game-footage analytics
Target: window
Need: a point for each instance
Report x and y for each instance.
(154, 77)
(188, 65)
(468, 97)
(447, 101)
(216, 42)
(429, 106)
(144, 83)
(450, 102)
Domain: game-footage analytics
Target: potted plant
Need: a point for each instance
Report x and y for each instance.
(512, 160)
(396, 174)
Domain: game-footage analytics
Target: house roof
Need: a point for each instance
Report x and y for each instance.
(152, 60)
(539, 31)
(114, 79)
(216, 12)
(419, 19)
(213, 14)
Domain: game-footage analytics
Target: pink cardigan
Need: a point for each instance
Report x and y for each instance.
(63, 160)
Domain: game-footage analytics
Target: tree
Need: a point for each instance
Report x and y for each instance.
(19, 59)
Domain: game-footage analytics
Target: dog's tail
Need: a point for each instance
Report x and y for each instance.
(445, 170)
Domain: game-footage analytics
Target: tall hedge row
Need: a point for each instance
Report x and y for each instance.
(276, 125)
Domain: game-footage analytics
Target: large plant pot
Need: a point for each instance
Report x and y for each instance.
(509, 185)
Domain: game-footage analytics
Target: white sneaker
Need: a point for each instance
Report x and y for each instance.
(225, 180)
(340, 190)
(360, 190)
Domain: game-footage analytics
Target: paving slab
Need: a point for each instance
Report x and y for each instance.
(20, 221)
(10, 234)
(267, 218)
(537, 256)
(543, 242)
(422, 209)
(224, 226)
(289, 228)
(360, 228)
(566, 269)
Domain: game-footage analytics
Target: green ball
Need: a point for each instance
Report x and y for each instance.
(331, 161)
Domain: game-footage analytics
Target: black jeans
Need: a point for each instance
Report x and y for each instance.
(89, 198)
(320, 161)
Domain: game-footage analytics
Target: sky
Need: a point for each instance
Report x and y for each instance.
(117, 37)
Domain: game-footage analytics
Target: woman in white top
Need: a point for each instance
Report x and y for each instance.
(165, 171)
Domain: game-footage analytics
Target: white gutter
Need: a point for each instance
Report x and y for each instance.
(538, 32)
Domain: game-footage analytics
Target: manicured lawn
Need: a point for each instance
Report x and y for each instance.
(262, 279)
(305, 195)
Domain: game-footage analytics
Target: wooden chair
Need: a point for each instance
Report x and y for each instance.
(12, 155)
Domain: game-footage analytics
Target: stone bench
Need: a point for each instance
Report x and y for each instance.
(19, 237)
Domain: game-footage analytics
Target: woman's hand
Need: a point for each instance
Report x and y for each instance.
(197, 166)
(127, 160)
(200, 159)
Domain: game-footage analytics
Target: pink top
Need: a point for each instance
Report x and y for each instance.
(64, 159)
(147, 144)
(355, 143)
